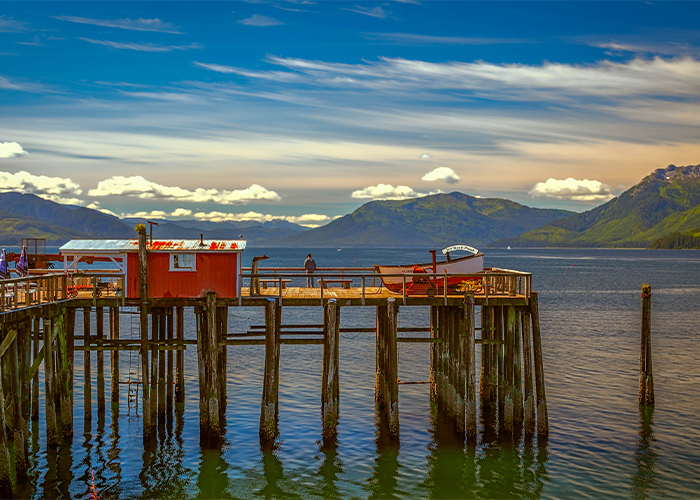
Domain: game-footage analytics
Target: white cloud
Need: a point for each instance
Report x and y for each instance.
(127, 24)
(153, 214)
(143, 47)
(414, 39)
(444, 174)
(658, 76)
(307, 220)
(386, 192)
(55, 189)
(11, 150)
(258, 20)
(572, 189)
(375, 12)
(181, 212)
(141, 188)
(9, 25)
(426, 156)
(95, 205)
(7, 84)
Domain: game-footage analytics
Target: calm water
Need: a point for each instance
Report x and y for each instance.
(600, 444)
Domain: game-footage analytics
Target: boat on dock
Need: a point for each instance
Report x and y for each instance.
(473, 263)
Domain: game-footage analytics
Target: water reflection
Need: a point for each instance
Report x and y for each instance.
(330, 468)
(384, 482)
(644, 481)
(491, 470)
(273, 473)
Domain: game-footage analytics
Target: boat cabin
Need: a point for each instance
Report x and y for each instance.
(176, 268)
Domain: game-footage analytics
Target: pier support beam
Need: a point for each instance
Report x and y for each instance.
(87, 390)
(5, 471)
(114, 356)
(20, 428)
(162, 319)
(517, 370)
(155, 320)
(222, 360)
(646, 376)
(49, 384)
(64, 369)
(330, 385)
(486, 388)
(212, 363)
(169, 382)
(541, 398)
(387, 382)
(508, 410)
(180, 356)
(143, 321)
(529, 411)
(100, 335)
(270, 406)
(36, 330)
(470, 368)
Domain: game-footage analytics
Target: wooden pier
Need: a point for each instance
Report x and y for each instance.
(495, 319)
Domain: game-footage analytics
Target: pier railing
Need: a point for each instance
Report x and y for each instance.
(18, 293)
(489, 283)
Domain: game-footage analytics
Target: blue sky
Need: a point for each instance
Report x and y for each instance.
(306, 110)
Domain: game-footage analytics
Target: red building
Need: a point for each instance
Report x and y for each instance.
(176, 268)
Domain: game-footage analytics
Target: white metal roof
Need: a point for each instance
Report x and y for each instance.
(121, 246)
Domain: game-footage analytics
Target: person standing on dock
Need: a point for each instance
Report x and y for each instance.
(310, 266)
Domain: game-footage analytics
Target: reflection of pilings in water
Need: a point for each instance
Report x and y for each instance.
(451, 472)
(273, 473)
(329, 470)
(644, 480)
(384, 482)
(64, 469)
(114, 452)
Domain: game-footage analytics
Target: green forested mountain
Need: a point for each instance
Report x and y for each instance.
(665, 202)
(59, 222)
(435, 220)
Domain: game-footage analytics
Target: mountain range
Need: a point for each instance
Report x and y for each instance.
(666, 201)
(662, 211)
(436, 220)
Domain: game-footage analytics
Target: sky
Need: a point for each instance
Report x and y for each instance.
(304, 111)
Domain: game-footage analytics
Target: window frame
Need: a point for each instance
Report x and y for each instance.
(183, 269)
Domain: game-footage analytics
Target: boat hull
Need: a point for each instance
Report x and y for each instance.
(471, 264)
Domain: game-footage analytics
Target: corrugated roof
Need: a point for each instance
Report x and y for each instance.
(119, 246)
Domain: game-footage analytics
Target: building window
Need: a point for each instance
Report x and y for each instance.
(183, 262)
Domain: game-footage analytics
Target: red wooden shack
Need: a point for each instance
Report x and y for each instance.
(176, 268)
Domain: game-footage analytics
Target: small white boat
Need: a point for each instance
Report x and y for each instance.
(469, 264)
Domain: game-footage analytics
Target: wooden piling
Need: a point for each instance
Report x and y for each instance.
(529, 410)
(201, 322)
(155, 321)
(213, 351)
(161, 363)
(434, 346)
(330, 385)
(470, 368)
(222, 325)
(21, 450)
(270, 407)
(36, 327)
(541, 399)
(63, 369)
(392, 368)
(169, 380)
(517, 372)
(87, 389)
(100, 335)
(143, 321)
(499, 366)
(70, 352)
(114, 356)
(180, 357)
(458, 376)
(49, 384)
(25, 361)
(381, 393)
(509, 364)
(5, 470)
(485, 386)
(646, 376)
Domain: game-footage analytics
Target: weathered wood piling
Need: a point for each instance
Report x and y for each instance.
(646, 376)
(330, 385)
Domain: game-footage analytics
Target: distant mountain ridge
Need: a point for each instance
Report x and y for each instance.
(435, 220)
(666, 201)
